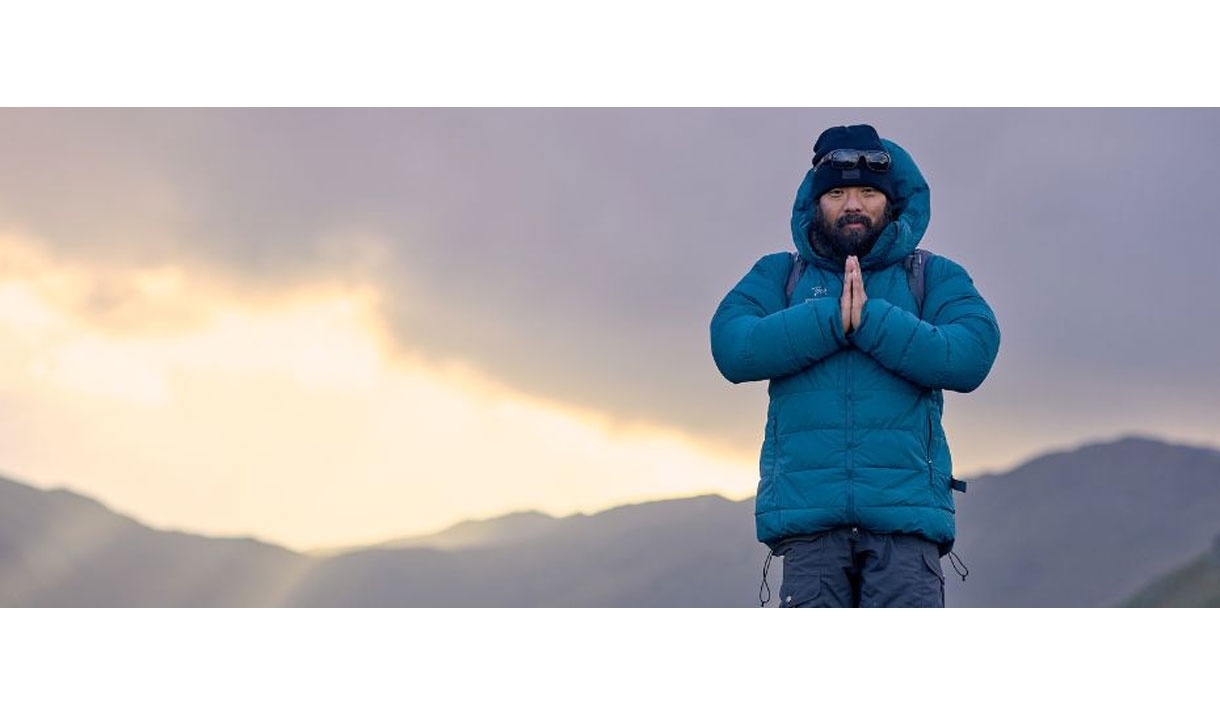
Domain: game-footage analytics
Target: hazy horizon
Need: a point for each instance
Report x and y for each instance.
(1054, 449)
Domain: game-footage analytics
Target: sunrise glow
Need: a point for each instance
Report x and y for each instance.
(182, 400)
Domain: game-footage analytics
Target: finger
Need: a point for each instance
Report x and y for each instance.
(845, 304)
(858, 298)
(846, 300)
(857, 292)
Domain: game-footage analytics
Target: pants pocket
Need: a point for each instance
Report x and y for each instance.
(802, 572)
(931, 560)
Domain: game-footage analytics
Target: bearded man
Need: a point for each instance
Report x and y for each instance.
(858, 334)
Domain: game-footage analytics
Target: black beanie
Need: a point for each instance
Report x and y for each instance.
(857, 136)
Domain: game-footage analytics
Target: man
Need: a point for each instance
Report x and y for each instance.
(856, 479)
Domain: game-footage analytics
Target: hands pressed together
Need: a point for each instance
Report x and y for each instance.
(852, 302)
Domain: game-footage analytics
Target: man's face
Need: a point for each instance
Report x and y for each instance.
(852, 217)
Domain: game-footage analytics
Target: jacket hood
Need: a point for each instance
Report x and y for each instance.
(898, 239)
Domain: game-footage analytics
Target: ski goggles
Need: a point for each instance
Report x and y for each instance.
(876, 160)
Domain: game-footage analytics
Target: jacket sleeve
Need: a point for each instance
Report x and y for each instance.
(956, 346)
(756, 337)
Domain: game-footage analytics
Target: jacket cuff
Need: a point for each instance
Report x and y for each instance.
(816, 328)
(867, 335)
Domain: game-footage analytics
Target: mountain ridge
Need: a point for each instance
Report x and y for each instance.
(449, 536)
(1083, 526)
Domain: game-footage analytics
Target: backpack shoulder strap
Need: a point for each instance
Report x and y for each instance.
(798, 268)
(916, 265)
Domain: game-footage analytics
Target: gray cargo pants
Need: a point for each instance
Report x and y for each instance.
(851, 567)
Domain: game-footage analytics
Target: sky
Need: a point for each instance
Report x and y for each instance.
(336, 326)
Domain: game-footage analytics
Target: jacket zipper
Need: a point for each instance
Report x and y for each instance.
(772, 474)
(851, 434)
(928, 451)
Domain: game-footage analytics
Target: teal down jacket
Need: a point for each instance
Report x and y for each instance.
(853, 434)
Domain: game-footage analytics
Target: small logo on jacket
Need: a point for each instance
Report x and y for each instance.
(820, 292)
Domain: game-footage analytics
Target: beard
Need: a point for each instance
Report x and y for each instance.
(851, 235)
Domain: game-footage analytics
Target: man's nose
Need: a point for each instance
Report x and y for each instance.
(852, 203)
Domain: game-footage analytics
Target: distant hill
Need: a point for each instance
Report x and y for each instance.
(500, 531)
(685, 552)
(58, 548)
(1084, 527)
(1193, 585)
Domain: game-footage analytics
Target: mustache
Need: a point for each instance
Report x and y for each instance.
(854, 218)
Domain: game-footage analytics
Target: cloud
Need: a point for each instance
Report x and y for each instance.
(285, 416)
(577, 255)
